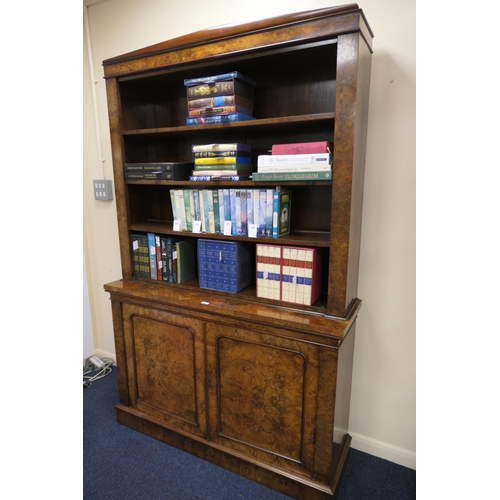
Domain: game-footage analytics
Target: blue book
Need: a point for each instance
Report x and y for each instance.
(250, 206)
(215, 196)
(244, 212)
(261, 228)
(227, 205)
(217, 119)
(232, 201)
(152, 256)
(217, 78)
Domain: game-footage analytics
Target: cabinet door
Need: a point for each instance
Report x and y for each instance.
(271, 398)
(165, 361)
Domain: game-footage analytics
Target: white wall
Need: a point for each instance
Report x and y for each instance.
(383, 395)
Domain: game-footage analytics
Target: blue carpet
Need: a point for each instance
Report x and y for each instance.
(122, 464)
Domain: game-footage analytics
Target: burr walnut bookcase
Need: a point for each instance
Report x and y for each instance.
(256, 386)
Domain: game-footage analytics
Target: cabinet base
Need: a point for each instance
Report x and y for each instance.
(285, 482)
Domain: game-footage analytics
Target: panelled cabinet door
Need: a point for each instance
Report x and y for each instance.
(165, 367)
(269, 399)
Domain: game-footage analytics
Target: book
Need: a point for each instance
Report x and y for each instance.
(224, 266)
(282, 205)
(223, 160)
(247, 168)
(269, 212)
(217, 119)
(236, 146)
(226, 87)
(316, 159)
(216, 78)
(159, 265)
(292, 176)
(220, 110)
(261, 227)
(301, 275)
(186, 260)
(215, 154)
(273, 169)
(218, 172)
(302, 148)
(215, 197)
(172, 259)
(209, 178)
(175, 171)
(140, 253)
(223, 100)
(164, 258)
(153, 274)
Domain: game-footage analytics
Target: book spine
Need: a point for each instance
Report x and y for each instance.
(164, 258)
(232, 198)
(206, 210)
(285, 279)
(244, 212)
(269, 212)
(211, 211)
(294, 168)
(230, 160)
(259, 267)
(208, 178)
(306, 159)
(140, 252)
(292, 176)
(250, 211)
(187, 208)
(302, 148)
(261, 233)
(220, 101)
(292, 282)
(277, 272)
(226, 87)
(215, 196)
(218, 154)
(220, 110)
(216, 78)
(227, 205)
(220, 195)
(159, 265)
(236, 146)
(301, 267)
(276, 196)
(214, 119)
(283, 214)
(152, 256)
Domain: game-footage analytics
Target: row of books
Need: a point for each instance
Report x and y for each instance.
(222, 161)
(223, 98)
(309, 157)
(163, 258)
(288, 274)
(262, 213)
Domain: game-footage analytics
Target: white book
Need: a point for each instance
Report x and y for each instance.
(302, 159)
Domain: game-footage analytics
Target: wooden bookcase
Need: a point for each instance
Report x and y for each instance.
(257, 386)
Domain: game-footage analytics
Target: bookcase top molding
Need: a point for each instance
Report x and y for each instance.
(217, 40)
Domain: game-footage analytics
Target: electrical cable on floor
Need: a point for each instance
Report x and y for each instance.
(96, 368)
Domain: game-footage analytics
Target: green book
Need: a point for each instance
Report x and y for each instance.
(292, 176)
(186, 260)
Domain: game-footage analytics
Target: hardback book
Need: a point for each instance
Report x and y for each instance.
(187, 205)
(302, 148)
(217, 119)
(159, 266)
(217, 172)
(315, 159)
(224, 266)
(215, 89)
(172, 258)
(215, 198)
(221, 209)
(216, 78)
(301, 275)
(269, 212)
(219, 154)
(209, 178)
(164, 258)
(242, 167)
(220, 110)
(262, 220)
(140, 252)
(186, 260)
(282, 205)
(223, 100)
(175, 171)
(326, 175)
(235, 146)
(153, 273)
(222, 160)
(250, 211)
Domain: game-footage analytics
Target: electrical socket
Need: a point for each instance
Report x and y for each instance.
(103, 190)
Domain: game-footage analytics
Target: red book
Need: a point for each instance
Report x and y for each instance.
(302, 148)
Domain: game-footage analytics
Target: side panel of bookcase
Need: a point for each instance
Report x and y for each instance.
(121, 192)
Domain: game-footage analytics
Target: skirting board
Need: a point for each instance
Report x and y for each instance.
(386, 451)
